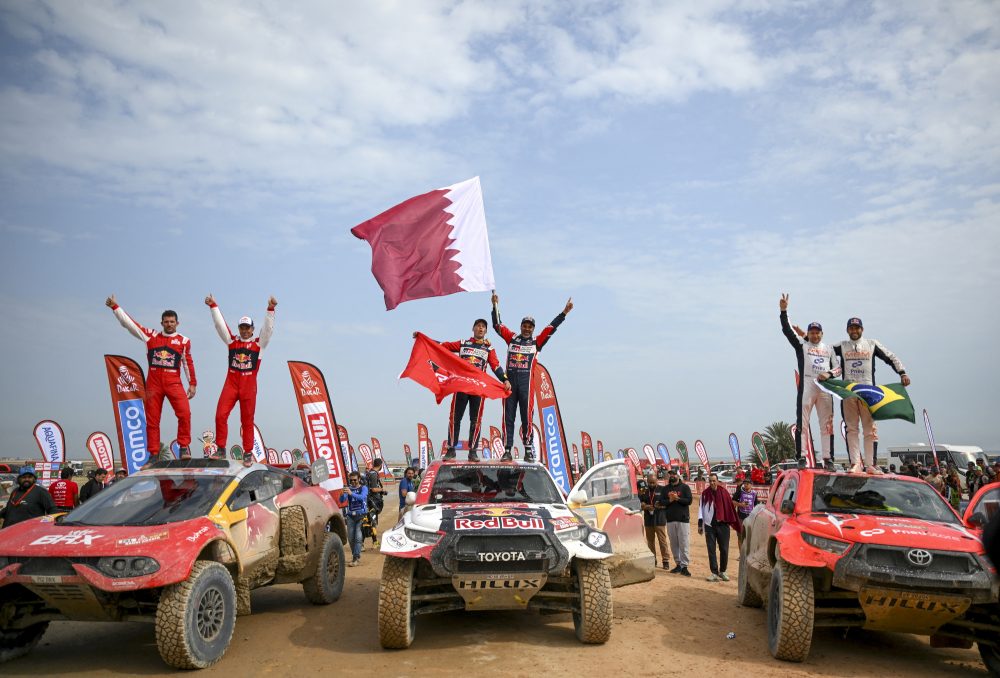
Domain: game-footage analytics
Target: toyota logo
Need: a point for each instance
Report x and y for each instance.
(919, 557)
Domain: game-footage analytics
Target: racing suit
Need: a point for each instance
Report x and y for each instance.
(858, 360)
(521, 354)
(480, 353)
(167, 355)
(241, 382)
(813, 360)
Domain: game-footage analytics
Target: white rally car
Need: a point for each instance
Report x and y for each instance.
(501, 536)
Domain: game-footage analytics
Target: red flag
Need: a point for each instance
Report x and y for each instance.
(431, 245)
(444, 373)
(318, 421)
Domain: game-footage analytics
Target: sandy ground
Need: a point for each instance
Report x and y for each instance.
(672, 625)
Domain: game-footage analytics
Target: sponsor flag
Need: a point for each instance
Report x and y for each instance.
(99, 445)
(621, 454)
(930, 436)
(318, 421)
(554, 448)
(444, 373)
(353, 457)
(543, 457)
(236, 452)
(649, 453)
(576, 460)
(407, 453)
(890, 401)
(734, 447)
(664, 453)
(497, 446)
(601, 454)
(588, 449)
(423, 445)
(366, 454)
(682, 452)
(699, 449)
(496, 434)
(843, 430)
(807, 447)
(757, 443)
(173, 450)
(346, 449)
(297, 456)
(431, 245)
(259, 446)
(128, 389)
(272, 456)
(51, 441)
(287, 458)
(633, 457)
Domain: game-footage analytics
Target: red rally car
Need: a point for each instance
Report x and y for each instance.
(181, 546)
(876, 552)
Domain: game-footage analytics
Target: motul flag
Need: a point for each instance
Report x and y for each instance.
(588, 449)
(650, 454)
(407, 454)
(423, 445)
(51, 441)
(444, 373)
(128, 389)
(99, 445)
(431, 245)
(699, 449)
(734, 447)
(553, 442)
(497, 446)
(633, 457)
(318, 421)
(757, 443)
(366, 454)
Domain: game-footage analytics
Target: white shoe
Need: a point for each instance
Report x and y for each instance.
(874, 470)
(857, 468)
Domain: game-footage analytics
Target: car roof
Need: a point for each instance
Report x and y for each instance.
(884, 476)
(484, 462)
(195, 467)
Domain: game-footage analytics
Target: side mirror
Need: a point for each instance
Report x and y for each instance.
(578, 497)
(411, 498)
(977, 520)
(788, 507)
(319, 471)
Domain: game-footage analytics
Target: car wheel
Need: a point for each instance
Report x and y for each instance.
(19, 642)
(196, 617)
(745, 595)
(395, 603)
(991, 657)
(790, 612)
(326, 585)
(593, 621)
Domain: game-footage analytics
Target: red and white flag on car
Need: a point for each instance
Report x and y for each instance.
(431, 245)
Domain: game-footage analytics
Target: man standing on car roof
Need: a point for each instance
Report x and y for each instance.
(857, 356)
(521, 351)
(167, 352)
(29, 500)
(244, 363)
(478, 351)
(815, 360)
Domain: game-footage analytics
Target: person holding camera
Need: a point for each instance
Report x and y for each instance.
(678, 515)
(356, 496)
(653, 501)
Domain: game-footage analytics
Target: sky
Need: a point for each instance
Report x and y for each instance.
(673, 166)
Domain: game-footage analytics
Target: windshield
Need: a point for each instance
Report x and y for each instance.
(880, 496)
(151, 500)
(496, 484)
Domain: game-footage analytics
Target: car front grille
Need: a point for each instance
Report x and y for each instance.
(475, 567)
(51, 567)
(886, 557)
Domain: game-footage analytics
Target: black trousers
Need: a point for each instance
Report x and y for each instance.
(458, 404)
(519, 399)
(717, 535)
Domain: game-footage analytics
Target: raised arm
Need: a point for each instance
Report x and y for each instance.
(268, 329)
(549, 330)
(135, 329)
(220, 323)
(498, 326)
(786, 328)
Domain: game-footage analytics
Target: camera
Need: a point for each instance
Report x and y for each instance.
(641, 485)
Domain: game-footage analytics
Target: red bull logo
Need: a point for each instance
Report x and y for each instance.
(500, 523)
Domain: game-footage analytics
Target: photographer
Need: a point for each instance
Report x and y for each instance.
(653, 501)
(357, 508)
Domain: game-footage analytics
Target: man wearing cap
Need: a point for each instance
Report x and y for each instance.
(244, 363)
(815, 361)
(29, 500)
(521, 351)
(857, 355)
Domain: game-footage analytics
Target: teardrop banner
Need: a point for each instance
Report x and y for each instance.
(51, 441)
(128, 391)
(682, 452)
(734, 447)
(484, 448)
(664, 453)
(423, 445)
(286, 457)
(366, 454)
(649, 453)
(272, 456)
(633, 456)
(588, 449)
(601, 454)
(346, 449)
(318, 421)
(407, 453)
(297, 456)
(495, 437)
(699, 449)
(555, 448)
(99, 445)
(576, 461)
(497, 446)
(757, 443)
(236, 453)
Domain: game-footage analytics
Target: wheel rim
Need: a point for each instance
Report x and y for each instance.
(332, 568)
(211, 613)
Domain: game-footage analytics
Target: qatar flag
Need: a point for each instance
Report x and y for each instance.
(431, 245)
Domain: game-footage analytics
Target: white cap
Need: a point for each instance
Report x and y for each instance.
(246, 320)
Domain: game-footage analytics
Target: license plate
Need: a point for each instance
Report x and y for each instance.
(44, 579)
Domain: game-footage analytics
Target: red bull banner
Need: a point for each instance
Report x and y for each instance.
(423, 445)
(553, 444)
(699, 449)
(649, 453)
(99, 446)
(51, 441)
(366, 454)
(757, 443)
(128, 391)
(734, 447)
(318, 421)
(576, 461)
(286, 457)
(588, 449)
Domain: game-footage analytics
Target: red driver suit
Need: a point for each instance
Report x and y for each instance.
(167, 354)
(241, 382)
(480, 353)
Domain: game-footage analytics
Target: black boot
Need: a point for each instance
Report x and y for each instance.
(472, 455)
(449, 455)
(506, 455)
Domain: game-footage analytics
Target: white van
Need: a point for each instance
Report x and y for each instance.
(960, 455)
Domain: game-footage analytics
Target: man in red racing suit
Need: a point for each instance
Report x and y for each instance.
(244, 363)
(168, 353)
(478, 351)
(521, 351)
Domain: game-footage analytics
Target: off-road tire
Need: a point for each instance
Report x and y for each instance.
(745, 595)
(593, 621)
(17, 643)
(395, 603)
(327, 583)
(292, 540)
(790, 612)
(196, 617)
(991, 657)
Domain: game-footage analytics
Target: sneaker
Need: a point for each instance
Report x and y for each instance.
(354, 563)
(684, 571)
(723, 576)
(449, 455)
(857, 468)
(507, 456)
(712, 577)
(874, 471)
(529, 457)
(666, 566)
(184, 453)
(676, 570)
(473, 456)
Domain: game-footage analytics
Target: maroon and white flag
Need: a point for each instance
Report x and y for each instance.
(366, 454)
(431, 245)
(699, 448)
(99, 445)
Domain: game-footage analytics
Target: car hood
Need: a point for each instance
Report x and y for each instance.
(891, 531)
(549, 516)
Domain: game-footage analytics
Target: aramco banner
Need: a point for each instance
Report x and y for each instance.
(318, 421)
(128, 390)
(554, 441)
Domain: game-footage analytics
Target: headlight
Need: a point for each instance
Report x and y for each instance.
(422, 537)
(574, 533)
(120, 567)
(831, 545)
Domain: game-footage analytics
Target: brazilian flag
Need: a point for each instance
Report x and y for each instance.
(890, 401)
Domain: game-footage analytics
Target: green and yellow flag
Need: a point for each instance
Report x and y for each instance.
(890, 401)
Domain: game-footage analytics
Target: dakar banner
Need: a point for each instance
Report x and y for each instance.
(99, 445)
(346, 449)
(649, 453)
(484, 448)
(699, 449)
(734, 447)
(407, 453)
(286, 457)
(423, 445)
(128, 389)
(664, 453)
(757, 443)
(51, 441)
(555, 448)
(318, 421)
(366, 453)
(588, 449)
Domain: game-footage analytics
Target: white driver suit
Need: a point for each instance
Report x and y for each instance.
(857, 358)
(813, 360)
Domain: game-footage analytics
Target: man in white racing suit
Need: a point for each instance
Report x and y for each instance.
(857, 356)
(816, 360)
